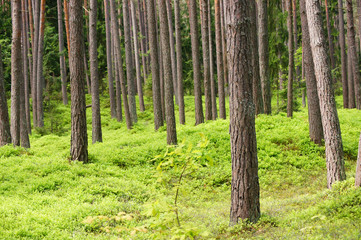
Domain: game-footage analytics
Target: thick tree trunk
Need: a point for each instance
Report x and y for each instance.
(314, 113)
(211, 64)
(118, 56)
(330, 122)
(61, 53)
(264, 55)
(245, 186)
(220, 68)
(153, 46)
(358, 166)
(136, 56)
(177, 15)
(93, 56)
(168, 82)
(40, 75)
(109, 59)
(79, 136)
(5, 136)
(351, 39)
(257, 89)
(129, 62)
(172, 50)
(16, 71)
(196, 61)
(205, 50)
(291, 63)
(341, 29)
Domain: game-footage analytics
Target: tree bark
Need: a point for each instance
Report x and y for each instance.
(16, 71)
(264, 55)
(220, 67)
(129, 62)
(196, 61)
(109, 59)
(136, 56)
(341, 29)
(118, 56)
(79, 136)
(142, 40)
(257, 89)
(211, 64)
(351, 85)
(93, 56)
(168, 82)
(291, 63)
(353, 53)
(330, 122)
(330, 37)
(172, 50)
(177, 15)
(40, 75)
(61, 54)
(35, 40)
(205, 50)
(224, 45)
(245, 186)
(314, 113)
(5, 136)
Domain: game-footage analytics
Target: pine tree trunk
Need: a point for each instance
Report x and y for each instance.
(129, 62)
(5, 136)
(142, 40)
(220, 53)
(61, 53)
(245, 186)
(118, 56)
(196, 61)
(16, 71)
(35, 40)
(205, 50)
(136, 56)
(177, 15)
(330, 37)
(172, 50)
(118, 91)
(93, 56)
(154, 56)
(109, 59)
(168, 82)
(224, 46)
(351, 85)
(257, 89)
(291, 63)
(341, 29)
(264, 55)
(211, 64)
(40, 75)
(79, 136)
(351, 39)
(330, 122)
(314, 113)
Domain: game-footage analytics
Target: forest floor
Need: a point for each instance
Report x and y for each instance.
(128, 189)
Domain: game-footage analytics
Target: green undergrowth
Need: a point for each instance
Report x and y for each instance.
(135, 187)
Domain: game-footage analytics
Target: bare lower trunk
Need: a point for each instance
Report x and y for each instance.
(93, 56)
(168, 82)
(129, 62)
(291, 62)
(153, 46)
(61, 53)
(178, 33)
(358, 166)
(330, 122)
(350, 82)
(341, 30)
(331, 47)
(26, 66)
(35, 40)
(196, 61)
(136, 56)
(245, 186)
(211, 64)
(79, 136)
(220, 68)
(314, 114)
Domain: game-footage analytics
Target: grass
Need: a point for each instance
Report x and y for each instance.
(123, 193)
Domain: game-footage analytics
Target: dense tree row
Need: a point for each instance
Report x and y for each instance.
(249, 50)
